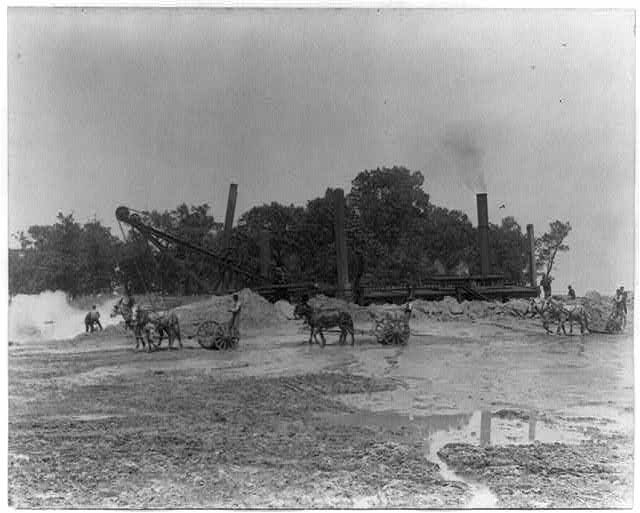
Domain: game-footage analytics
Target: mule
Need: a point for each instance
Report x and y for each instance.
(165, 323)
(319, 320)
(143, 322)
(548, 312)
(553, 309)
(125, 310)
(572, 313)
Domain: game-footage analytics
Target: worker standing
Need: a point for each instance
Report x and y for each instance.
(623, 293)
(91, 319)
(623, 305)
(234, 324)
(572, 293)
(545, 283)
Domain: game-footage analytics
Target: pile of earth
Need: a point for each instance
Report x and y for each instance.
(108, 331)
(600, 307)
(359, 313)
(286, 308)
(257, 312)
(449, 309)
(446, 310)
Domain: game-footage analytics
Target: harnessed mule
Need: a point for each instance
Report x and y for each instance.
(572, 313)
(551, 309)
(142, 321)
(322, 319)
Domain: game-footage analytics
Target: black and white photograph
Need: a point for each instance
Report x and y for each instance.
(320, 258)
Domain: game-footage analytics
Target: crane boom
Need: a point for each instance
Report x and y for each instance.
(124, 215)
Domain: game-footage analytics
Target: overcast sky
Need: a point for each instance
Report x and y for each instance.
(152, 108)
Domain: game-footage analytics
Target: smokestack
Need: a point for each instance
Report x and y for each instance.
(483, 232)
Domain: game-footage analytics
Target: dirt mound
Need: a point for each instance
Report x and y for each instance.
(449, 309)
(359, 314)
(257, 312)
(285, 307)
(108, 331)
(446, 310)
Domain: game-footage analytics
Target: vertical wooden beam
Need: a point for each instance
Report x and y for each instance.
(227, 278)
(531, 256)
(264, 242)
(344, 289)
(231, 210)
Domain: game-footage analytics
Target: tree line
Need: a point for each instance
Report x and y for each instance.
(395, 236)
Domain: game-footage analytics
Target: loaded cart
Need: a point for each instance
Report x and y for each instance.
(392, 325)
(217, 335)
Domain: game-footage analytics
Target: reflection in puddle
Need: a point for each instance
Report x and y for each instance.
(532, 426)
(483, 428)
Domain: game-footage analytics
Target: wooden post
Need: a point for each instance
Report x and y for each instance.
(531, 256)
(264, 243)
(231, 210)
(227, 278)
(344, 289)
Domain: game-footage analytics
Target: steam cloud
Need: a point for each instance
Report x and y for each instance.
(466, 156)
(48, 316)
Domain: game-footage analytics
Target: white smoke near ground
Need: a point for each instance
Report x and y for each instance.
(465, 154)
(49, 316)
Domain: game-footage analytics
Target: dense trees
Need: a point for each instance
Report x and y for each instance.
(395, 236)
(64, 256)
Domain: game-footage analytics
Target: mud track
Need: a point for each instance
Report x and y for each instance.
(276, 423)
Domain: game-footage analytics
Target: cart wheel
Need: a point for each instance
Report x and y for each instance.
(208, 333)
(224, 340)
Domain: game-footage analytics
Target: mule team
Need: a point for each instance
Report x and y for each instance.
(553, 310)
(142, 322)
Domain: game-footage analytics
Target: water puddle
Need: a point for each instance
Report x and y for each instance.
(481, 428)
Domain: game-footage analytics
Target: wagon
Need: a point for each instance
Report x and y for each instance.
(392, 328)
(217, 335)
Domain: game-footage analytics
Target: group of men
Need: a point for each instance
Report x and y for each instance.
(620, 299)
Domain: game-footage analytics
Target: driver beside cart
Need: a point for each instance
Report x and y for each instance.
(234, 323)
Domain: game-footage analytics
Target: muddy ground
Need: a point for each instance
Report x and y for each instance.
(469, 414)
